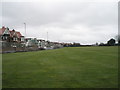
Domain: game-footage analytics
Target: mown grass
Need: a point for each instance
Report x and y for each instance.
(75, 67)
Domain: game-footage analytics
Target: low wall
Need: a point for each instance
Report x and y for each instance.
(8, 47)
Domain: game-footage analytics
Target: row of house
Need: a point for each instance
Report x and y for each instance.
(10, 35)
(13, 40)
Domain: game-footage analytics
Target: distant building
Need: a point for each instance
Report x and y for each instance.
(41, 44)
(30, 42)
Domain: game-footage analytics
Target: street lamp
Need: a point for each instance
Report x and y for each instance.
(47, 36)
(25, 35)
(25, 28)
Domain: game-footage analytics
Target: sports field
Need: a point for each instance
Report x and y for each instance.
(72, 67)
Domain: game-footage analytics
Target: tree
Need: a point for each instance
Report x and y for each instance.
(96, 44)
(76, 44)
(111, 42)
(101, 44)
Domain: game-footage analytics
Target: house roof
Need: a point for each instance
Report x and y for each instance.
(18, 34)
(2, 30)
(12, 33)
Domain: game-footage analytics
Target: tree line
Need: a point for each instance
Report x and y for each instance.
(110, 42)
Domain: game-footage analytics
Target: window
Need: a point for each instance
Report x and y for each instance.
(6, 37)
(3, 38)
(14, 39)
(22, 39)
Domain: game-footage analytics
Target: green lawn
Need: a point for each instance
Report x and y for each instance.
(75, 67)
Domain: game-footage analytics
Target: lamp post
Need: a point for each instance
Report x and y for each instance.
(25, 36)
(47, 36)
(25, 28)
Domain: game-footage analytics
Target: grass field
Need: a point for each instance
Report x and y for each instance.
(75, 67)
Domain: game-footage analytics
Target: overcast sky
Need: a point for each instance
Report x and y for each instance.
(86, 22)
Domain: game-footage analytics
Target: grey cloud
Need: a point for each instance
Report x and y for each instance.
(86, 22)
